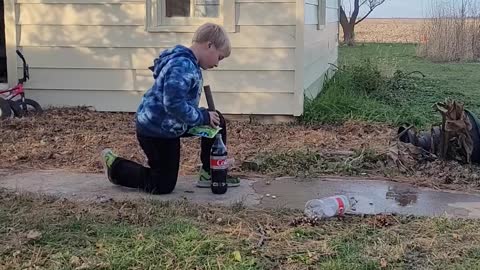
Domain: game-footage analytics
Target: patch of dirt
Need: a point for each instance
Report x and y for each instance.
(383, 221)
(72, 138)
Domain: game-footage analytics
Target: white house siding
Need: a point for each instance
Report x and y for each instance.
(96, 53)
(320, 44)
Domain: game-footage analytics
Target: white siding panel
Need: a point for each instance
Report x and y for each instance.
(134, 36)
(311, 14)
(251, 81)
(260, 59)
(322, 44)
(320, 48)
(332, 15)
(142, 58)
(315, 50)
(333, 3)
(80, 57)
(240, 59)
(121, 101)
(232, 103)
(236, 81)
(314, 71)
(87, 79)
(82, 14)
(266, 14)
(253, 103)
(313, 35)
(95, 53)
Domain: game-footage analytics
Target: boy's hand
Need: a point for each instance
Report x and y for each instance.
(214, 119)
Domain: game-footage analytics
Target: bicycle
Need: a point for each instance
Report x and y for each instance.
(19, 106)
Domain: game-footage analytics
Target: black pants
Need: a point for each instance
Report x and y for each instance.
(163, 160)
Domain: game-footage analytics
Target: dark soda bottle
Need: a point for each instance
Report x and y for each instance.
(218, 166)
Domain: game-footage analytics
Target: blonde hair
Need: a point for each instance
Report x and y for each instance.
(210, 32)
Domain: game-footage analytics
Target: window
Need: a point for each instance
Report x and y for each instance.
(187, 15)
(191, 8)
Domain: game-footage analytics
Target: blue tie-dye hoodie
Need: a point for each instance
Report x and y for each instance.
(170, 106)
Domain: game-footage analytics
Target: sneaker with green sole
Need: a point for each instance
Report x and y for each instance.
(205, 180)
(108, 157)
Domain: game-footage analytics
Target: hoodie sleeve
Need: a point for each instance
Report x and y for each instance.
(178, 81)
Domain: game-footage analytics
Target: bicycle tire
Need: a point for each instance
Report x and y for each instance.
(17, 111)
(30, 103)
(5, 110)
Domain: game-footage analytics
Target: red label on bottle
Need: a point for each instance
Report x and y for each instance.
(341, 206)
(218, 163)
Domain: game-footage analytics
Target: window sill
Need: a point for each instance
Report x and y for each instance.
(179, 29)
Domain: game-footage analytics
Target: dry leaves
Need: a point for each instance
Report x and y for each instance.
(75, 261)
(299, 221)
(406, 156)
(382, 221)
(383, 263)
(72, 138)
(456, 127)
(34, 235)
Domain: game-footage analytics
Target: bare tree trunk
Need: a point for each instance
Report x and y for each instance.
(348, 24)
(348, 28)
(349, 34)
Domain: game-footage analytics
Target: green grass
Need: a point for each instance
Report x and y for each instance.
(179, 235)
(109, 238)
(340, 101)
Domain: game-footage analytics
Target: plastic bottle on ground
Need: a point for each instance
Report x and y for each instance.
(328, 207)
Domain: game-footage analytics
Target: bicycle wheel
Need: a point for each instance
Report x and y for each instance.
(17, 111)
(30, 107)
(5, 111)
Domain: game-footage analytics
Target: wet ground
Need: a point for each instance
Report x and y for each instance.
(372, 196)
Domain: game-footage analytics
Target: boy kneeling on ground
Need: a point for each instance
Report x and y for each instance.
(168, 110)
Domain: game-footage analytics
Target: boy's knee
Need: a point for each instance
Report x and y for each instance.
(161, 190)
(164, 183)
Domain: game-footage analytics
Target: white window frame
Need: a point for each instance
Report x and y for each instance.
(156, 20)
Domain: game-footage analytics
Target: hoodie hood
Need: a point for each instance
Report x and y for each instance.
(167, 55)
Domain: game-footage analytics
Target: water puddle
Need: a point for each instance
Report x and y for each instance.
(373, 197)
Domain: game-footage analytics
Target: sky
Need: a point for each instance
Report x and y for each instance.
(402, 8)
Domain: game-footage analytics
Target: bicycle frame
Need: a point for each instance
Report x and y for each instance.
(13, 92)
(18, 89)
